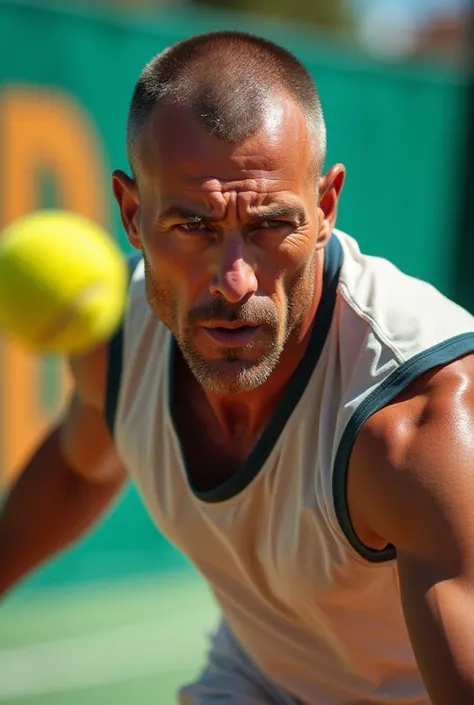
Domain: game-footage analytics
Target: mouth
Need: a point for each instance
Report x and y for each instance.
(231, 334)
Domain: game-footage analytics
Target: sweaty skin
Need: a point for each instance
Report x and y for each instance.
(410, 479)
(233, 237)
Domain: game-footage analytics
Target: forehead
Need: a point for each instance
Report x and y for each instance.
(178, 155)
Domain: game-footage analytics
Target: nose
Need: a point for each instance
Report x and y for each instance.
(235, 279)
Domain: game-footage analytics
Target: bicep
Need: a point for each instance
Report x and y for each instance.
(438, 606)
(426, 518)
(416, 489)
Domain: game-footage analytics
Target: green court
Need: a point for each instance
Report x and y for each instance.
(130, 641)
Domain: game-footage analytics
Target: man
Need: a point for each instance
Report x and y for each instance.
(297, 416)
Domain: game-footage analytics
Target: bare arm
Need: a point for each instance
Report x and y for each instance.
(67, 484)
(414, 471)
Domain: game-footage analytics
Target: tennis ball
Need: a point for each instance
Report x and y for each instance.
(63, 283)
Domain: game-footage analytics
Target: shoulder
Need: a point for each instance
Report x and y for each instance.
(90, 370)
(136, 269)
(406, 314)
(413, 459)
(436, 401)
(400, 347)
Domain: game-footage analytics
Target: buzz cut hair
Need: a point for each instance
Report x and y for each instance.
(227, 80)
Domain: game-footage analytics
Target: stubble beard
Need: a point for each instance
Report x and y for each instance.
(234, 372)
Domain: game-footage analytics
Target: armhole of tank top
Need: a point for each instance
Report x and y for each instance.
(115, 360)
(440, 354)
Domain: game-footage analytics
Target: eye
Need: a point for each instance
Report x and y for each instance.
(193, 227)
(273, 224)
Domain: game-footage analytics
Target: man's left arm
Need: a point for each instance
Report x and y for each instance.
(415, 467)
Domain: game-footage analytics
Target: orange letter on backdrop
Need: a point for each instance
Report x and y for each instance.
(41, 130)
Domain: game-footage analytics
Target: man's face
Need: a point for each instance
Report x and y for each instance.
(229, 234)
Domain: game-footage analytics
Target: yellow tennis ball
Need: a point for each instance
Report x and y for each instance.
(63, 283)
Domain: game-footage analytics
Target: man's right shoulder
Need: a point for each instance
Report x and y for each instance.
(90, 370)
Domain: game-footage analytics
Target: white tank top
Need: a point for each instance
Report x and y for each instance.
(318, 612)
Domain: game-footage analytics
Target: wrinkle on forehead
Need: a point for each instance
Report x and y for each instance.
(253, 184)
(232, 206)
(174, 144)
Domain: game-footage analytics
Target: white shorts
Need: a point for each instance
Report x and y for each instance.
(231, 678)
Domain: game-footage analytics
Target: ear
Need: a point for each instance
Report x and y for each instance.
(126, 194)
(330, 188)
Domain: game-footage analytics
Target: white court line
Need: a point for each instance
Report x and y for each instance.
(138, 650)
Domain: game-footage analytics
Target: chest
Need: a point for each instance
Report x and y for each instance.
(268, 532)
(270, 539)
(209, 458)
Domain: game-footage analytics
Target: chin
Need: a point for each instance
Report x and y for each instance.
(230, 376)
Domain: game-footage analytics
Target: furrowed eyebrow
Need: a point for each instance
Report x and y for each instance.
(275, 212)
(183, 214)
(270, 213)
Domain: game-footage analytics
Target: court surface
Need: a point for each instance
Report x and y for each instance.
(132, 641)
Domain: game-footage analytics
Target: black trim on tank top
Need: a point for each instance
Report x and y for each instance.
(333, 259)
(440, 354)
(115, 361)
